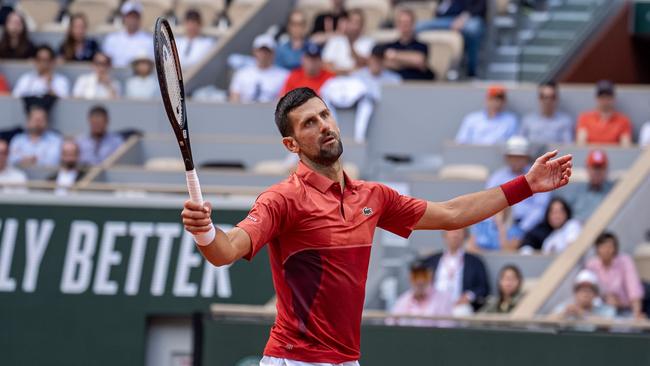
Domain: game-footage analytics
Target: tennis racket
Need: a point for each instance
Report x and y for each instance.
(170, 80)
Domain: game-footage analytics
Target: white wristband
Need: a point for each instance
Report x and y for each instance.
(206, 238)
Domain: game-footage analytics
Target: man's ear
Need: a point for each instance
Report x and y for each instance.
(290, 144)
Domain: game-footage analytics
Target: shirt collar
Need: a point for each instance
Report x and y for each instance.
(319, 181)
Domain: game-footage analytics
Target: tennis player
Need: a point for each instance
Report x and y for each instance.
(319, 224)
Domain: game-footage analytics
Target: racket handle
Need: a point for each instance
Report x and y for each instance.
(194, 188)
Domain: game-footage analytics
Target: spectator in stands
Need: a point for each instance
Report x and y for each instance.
(407, 56)
(70, 171)
(15, 42)
(491, 126)
(548, 125)
(495, 233)
(38, 146)
(98, 84)
(261, 82)
(193, 47)
(585, 305)
(9, 175)
(143, 84)
(43, 80)
(556, 231)
(527, 213)
(458, 273)
(77, 46)
(327, 24)
(4, 86)
(289, 54)
(644, 134)
(619, 280)
(375, 74)
(465, 16)
(125, 45)
(98, 144)
(604, 125)
(348, 51)
(509, 291)
(584, 198)
(422, 299)
(312, 74)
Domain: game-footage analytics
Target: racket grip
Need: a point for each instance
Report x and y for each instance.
(194, 188)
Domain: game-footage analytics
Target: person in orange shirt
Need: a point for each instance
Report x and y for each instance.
(604, 125)
(312, 74)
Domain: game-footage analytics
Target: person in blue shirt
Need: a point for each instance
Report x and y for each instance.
(289, 54)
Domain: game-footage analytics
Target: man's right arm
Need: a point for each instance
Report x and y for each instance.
(225, 248)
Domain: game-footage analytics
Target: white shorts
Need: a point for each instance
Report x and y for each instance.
(272, 361)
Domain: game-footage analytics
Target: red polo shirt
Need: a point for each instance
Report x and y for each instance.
(601, 131)
(319, 244)
(299, 79)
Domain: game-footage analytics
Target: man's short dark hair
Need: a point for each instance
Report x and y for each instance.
(605, 237)
(378, 51)
(98, 110)
(47, 49)
(289, 102)
(37, 107)
(193, 15)
(549, 84)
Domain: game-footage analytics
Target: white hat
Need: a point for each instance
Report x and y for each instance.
(518, 146)
(586, 277)
(264, 41)
(131, 6)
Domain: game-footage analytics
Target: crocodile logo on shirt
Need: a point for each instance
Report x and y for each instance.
(367, 211)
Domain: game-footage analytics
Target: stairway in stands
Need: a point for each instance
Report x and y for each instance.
(531, 45)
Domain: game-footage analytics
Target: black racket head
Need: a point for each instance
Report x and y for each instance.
(170, 79)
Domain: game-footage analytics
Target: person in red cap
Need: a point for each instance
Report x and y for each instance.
(584, 198)
(493, 125)
(604, 125)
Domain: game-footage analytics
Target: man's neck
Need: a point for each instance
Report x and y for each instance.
(492, 114)
(453, 252)
(333, 172)
(405, 39)
(98, 137)
(548, 114)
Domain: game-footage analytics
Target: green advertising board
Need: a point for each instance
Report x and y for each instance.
(79, 278)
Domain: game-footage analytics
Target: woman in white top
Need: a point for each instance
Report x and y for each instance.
(565, 230)
(99, 84)
(143, 84)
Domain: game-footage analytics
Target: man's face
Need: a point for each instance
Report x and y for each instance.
(98, 123)
(4, 153)
(44, 62)
(69, 155)
(101, 63)
(547, 99)
(375, 65)
(605, 103)
(132, 22)
(313, 65)
(354, 26)
(37, 122)
(495, 104)
(585, 295)
(454, 239)
(316, 135)
(263, 56)
(517, 163)
(297, 26)
(606, 251)
(404, 24)
(192, 28)
(420, 282)
(597, 175)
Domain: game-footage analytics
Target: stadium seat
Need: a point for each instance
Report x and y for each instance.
(209, 9)
(423, 10)
(152, 9)
(98, 12)
(40, 12)
(311, 8)
(374, 11)
(464, 171)
(239, 9)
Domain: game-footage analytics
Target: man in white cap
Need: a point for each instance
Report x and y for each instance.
(123, 46)
(585, 304)
(261, 82)
(528, 213)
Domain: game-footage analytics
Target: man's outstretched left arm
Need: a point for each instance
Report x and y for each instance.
(546, 174)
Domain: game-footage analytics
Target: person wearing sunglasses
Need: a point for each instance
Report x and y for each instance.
(548, 125)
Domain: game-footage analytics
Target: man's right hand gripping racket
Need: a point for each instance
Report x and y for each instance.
(170, 79)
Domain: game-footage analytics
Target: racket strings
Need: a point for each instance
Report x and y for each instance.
(171, 77)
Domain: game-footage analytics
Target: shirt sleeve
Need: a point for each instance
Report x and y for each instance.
(626, 128)
(400, 213)
(236, 83)
(462, 137)
(633, 285)
(264, 221)
(21, 86)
